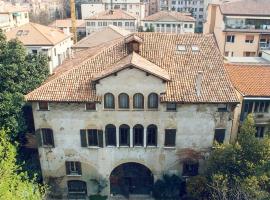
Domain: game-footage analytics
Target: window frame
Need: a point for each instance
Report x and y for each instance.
(73, 164)
(166, 142)
(170, 109)
(126, 98)
(107, 136)
(193, 172)
(89, 109)
(105, 103)
(93, 133)
(155, 107)
(121, 144)
(140, 95)
(41, 109)
(44, 134)
(141, 143)
(231, 40)
(260, 131)
(154, 144)
(216, 135)
(83, 192)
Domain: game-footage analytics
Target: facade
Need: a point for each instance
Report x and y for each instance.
(12, 16)
(66, 26)
(42, 39)
(89, 10)
(169, 22)
(128, 114)
(117, 17)
(240, 32)
(194, 7)
(251, 81)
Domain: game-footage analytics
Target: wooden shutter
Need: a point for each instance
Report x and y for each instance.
(79, 167)
(83, 138)
(52, 139)
(100, 138)
(38, 137)
(67, 168)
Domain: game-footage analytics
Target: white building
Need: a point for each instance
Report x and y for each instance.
(134, 110)
(169, 22)
(117, 17)
(42, 39)
(89, 10)
(12, 16)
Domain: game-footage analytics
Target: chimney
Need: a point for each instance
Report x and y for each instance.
(199, 83)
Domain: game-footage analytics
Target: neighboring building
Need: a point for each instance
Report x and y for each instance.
(134, 110)
(251, 81)
(42, 39)
(194, 7)
(152, 6)
(169, 22)
(103, 36)
(117, 17)
(89, 10)
(66, 26)
(241, 28)
(12, 16)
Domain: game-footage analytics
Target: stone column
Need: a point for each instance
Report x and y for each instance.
(117, 136)
(131, 137)
(144, 136)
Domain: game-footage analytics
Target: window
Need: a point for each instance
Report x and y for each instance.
(249, 54)
(131, 23)
(230, 38)
(123, 100)
(126, 23)
(138, 135)
(185, 25)
(45, 137)
(77, 189)
(99, 23)
(249, 39)
(219, 135)
(104, 23)
(222, 108)
(190, 168)
(115, 23)
(93, 23)
(259, 132)
(153, 101)
(190, 25)
(54, 51)
(34, 51)
(170, 135)
(195, 48)
(91, 137)
(90, 106)
(171, 106)
(73, 168)
(119, 23)
(151, 135)
(261, 106)
(43, 106)
(110, 135)
(109, 101)
(181, 47)
(124, 135)
(138, 101)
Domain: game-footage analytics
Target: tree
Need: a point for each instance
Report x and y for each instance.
(15, 184)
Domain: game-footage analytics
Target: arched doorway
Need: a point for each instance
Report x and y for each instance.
(131, 178)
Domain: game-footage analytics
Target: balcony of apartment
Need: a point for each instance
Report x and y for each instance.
(247, 25)
(264, 43)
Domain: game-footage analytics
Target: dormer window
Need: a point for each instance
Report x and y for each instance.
(133, 43)
(181, 47)
(90, 106)
(43, 106)
(195, 48)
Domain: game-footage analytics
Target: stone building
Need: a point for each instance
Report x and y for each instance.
(140, 107)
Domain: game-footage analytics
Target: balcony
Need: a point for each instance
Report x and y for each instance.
(264, 46)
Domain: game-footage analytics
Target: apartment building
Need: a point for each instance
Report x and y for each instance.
(132, 110)
(117, 17)
(12, 16)
(91, 9)
(241, 28)
(42, 39)
(169, 22)
(194, 7)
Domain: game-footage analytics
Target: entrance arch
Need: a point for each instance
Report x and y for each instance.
(131, 178)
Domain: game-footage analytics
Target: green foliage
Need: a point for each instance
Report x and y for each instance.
(195, 187)
(150, 29)
(97, 197)
(13, 183)
(170, 187)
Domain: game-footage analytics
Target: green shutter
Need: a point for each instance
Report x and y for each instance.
(38, 137)
(67, 168)
(83, 138)
(100, 138)
(79, 167)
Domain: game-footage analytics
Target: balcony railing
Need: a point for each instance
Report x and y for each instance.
(264, 46)
(252, 27)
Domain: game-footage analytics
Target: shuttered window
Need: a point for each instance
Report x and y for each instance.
(91, 138)
(45, 137)
(152, 135)
(170, 135)
(73, 168)
(219, 135)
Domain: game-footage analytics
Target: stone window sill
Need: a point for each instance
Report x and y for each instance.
(169, 148)
(74, 175)
(93, 147)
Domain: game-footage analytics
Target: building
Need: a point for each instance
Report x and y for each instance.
(252, 81)
(42, 39)
(133, 110)
(241, 28)
(66, 26)
(12, 16)
(194, 7)
(117, 17)
(91, 9)
(103, 36)
(152, 6)
(169, 22)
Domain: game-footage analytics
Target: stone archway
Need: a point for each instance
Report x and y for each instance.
(131, 178)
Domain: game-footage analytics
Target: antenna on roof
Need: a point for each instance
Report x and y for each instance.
(199, 83)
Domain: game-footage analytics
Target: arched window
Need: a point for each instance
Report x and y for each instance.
(153, 100)
(76, 188)
(138, 101)
(138, 135)
(109, 100)
(123, 100)
(124, 135)
(110, 134)
(152, 135)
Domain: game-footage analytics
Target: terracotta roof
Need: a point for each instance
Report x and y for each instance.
(173, 15)
(75, 84)
(250, 80)
(67, 23)
(36, 34)
(246, 7)
(134, 60)
(112, 15)
(103, 35)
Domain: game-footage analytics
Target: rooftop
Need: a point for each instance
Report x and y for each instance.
(112, 15)
(169, 15)
(250, 80)
(36, 34)
(67, 23)
(74, 81)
